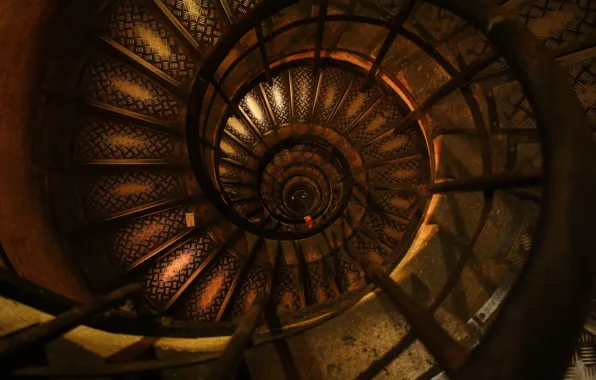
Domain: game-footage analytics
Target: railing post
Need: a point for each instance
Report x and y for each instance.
(232, 354)
(16, 347)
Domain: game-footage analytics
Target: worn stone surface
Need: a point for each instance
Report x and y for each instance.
(33, 248)
(451, 114)
(344, 346)
(458, 157)
(84, 346)
(457, 213)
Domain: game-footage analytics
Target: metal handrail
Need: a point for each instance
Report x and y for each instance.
(568, 176)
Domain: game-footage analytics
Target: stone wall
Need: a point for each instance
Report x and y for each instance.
(34, 249)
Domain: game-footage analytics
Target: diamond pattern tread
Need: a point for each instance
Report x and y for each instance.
(140, 236)
(110, 82)
(201, 18)
(171, 272)
(255, 283)
(133, 26)
(204, 300)
(108, 194)
(101, 139)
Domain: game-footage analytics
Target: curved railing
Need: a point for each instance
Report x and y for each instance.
(523, 336)
(540, 319)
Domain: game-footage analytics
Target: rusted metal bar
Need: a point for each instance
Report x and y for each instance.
(320, 34)
(14, 348)
(239, 165)
(225, 11)
(173, 127)
(263, 50)
(303, 274)
(395, 25)
(282, 347)
(232, 354)
(531, 340)
(495, 182)
(245, 200)
(220, 153)
(147, 209)
(453, 84)
(449, 354)
(133, 163)
(241, 144)
(234, 107)
(145, 67)
(363, 116)
(180, 31)
(458, 81)
(240, 276)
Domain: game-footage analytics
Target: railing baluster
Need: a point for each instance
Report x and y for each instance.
(234, 107)
(15, 348)
(225, 11)
(396, 24)
(263, 50)
(303, 274)
(228, 242)
(459, 80)
(241, 275)
(234, 351)
(245, 200)
(495, 182)
(173, 85)
(320, 35)
(449, 354)
(171, 245)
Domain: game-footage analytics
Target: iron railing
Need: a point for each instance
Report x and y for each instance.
(531, 338)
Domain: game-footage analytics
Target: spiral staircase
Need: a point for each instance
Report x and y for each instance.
(316, 162)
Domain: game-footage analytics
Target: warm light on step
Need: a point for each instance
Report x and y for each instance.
(155, 42)
(287, 300)
(254, 108)
(250, 298)
(330, 97)
(374, 257)
(278, 97)
(237, 126)
(403, 174)
(176, 266)
(131, 89)
(211, 291)
(356, 280)
(132, 188)
(150, 231)
(376, 124)
(125, 141)
(193, 8)
(321, 294)
(227, 148)
(356, 105)
(394, 143)
(393, 233)
(399, 203)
